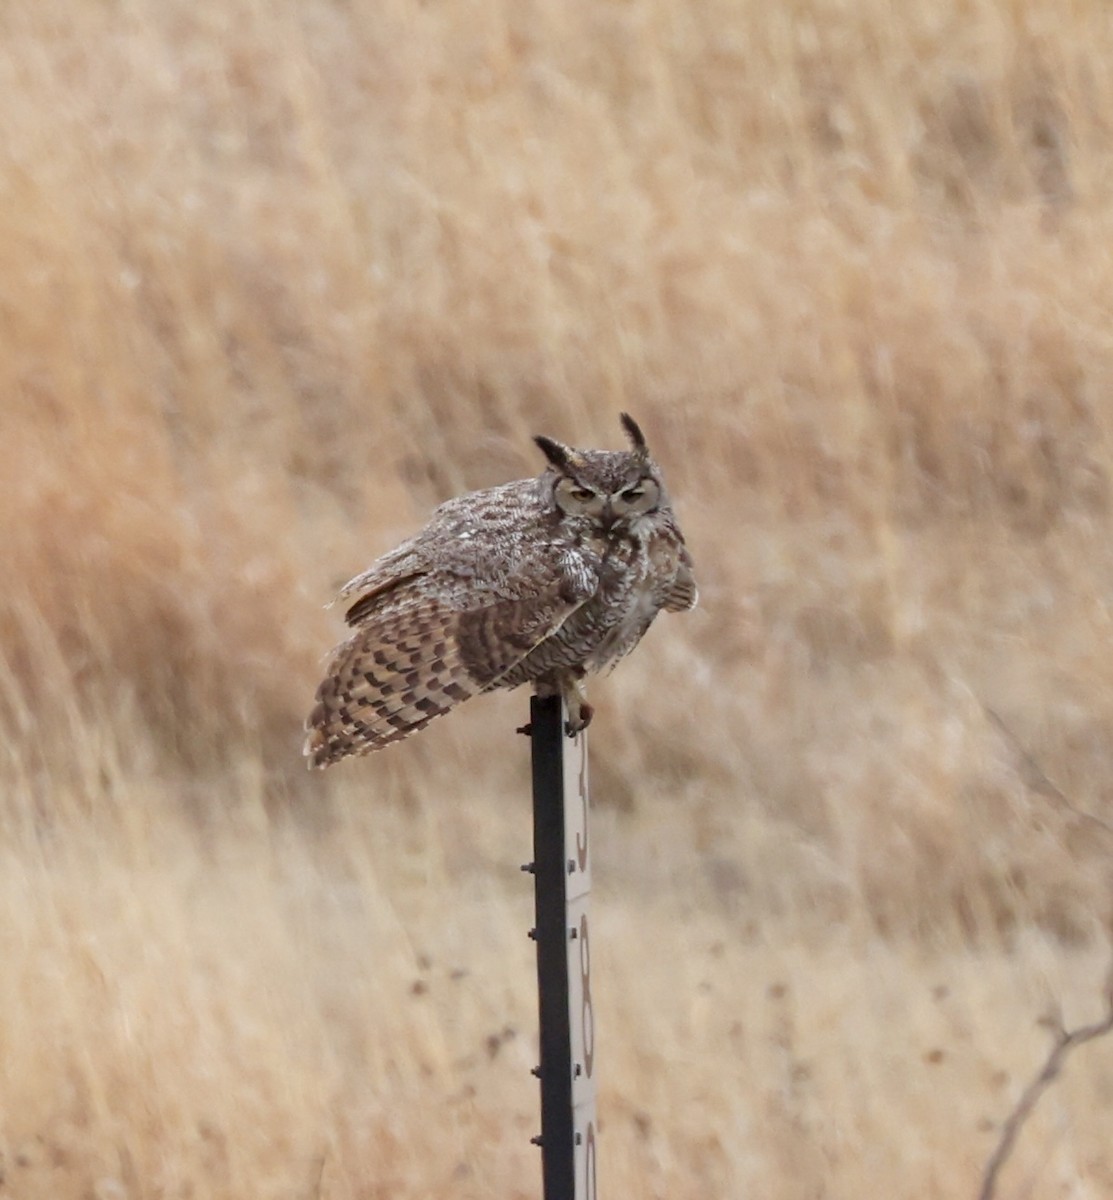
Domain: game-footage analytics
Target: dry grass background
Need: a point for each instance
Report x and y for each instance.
(276, 278)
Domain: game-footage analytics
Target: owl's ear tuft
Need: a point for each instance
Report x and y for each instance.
(634, 433)
(559, 455)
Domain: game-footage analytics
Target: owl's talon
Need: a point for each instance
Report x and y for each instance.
(580, 722)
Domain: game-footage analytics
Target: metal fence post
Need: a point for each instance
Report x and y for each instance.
(561, 870)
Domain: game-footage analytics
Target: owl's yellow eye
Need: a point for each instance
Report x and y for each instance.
(632, 493)
(582, 493)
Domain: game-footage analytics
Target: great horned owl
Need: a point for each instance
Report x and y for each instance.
(536, 581)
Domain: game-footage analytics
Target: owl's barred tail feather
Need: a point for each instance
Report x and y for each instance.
(388, 680)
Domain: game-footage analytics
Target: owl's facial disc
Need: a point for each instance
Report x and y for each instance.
(633, 499)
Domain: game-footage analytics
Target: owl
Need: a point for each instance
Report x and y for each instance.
(538, 581)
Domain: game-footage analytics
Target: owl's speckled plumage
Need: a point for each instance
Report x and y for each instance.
(536, 581)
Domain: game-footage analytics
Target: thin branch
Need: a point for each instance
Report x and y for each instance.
(1065, 1042)
(1036, 778)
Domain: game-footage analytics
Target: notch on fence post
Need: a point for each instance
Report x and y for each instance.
(561, 870)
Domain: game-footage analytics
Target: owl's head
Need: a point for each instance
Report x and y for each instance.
(611, 488)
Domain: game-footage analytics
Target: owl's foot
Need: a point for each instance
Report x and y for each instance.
(567, 684)
(579, 722)
(579, 711)
(571, 726)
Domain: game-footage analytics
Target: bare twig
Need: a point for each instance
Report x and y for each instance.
(1065, 1042)
(1036, 778)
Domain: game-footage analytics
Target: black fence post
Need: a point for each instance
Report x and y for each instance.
(562, 881)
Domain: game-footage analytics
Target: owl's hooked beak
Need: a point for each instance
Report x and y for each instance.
(608, 516)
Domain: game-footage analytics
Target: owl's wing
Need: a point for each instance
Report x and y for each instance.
(417, 654)
(469, 535)
(386, 573)
(375, 593)
(682, 593)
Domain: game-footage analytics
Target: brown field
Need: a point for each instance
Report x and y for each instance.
(277, 278)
